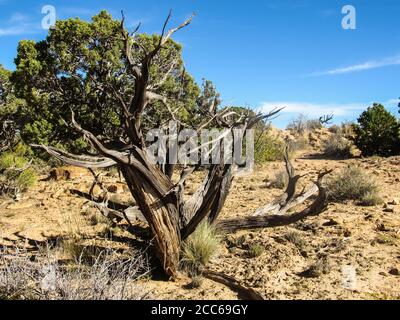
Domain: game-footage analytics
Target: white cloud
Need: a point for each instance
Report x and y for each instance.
(19, 24)
(18, 17)
(373, 64)
(392, 102)
(17, 30)
(312, 109)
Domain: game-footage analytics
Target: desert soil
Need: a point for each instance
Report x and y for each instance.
(353, 251)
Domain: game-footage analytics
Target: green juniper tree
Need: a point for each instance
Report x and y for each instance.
(81, 66)
(377, 132)
(9, 105)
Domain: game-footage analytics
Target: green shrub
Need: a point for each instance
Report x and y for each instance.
(377, 132)
(9, 160)
(371, 199)
(16, 158)
(352, 183)
(15, 173)
(26, 179)
(320, 267)
(338, 146)
(200, 248)
(334, 129)
(301, 143)
(268, 148)
(347, 130)
(256, 250)
(296, 238)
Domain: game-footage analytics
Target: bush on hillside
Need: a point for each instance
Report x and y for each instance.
(338, 146)
(16, 174)
(268, 148)
(352, 183)
(377, 132)
(302, 124)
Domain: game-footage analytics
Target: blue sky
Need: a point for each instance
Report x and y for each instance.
(261, 54)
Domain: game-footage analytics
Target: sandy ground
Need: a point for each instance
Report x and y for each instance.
(355, 250)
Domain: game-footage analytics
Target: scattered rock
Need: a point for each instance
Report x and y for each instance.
(347, 233)
(394, 202)
(330, 223)
(394, 272)
(389, 210)
(67, 173)
(381, 227)
(317, 269)
(369, 217)
(117, 188)
(304, 253)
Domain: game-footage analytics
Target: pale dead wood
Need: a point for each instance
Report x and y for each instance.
(288, 200)
(244, 292)
(272, 221)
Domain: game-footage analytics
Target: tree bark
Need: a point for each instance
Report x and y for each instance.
(162, 214)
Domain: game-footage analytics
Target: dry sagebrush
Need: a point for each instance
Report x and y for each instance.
(108, 278)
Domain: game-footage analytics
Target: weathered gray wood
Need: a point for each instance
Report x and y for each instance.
(244, 292)
(272, 221)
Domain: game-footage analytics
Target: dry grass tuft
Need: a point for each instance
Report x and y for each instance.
(256, 250)
(200, 248)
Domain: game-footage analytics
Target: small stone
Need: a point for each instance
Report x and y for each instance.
(394, 272)
(117, 188)
(330, 223)
(304, 253)
(347, 233)
(394, 202)
(67, 173)
(381, 227)
(389, 210)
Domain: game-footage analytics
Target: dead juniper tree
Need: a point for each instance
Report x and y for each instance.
(172, 216)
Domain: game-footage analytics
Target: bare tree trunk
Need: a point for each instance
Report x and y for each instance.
(162, 214)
